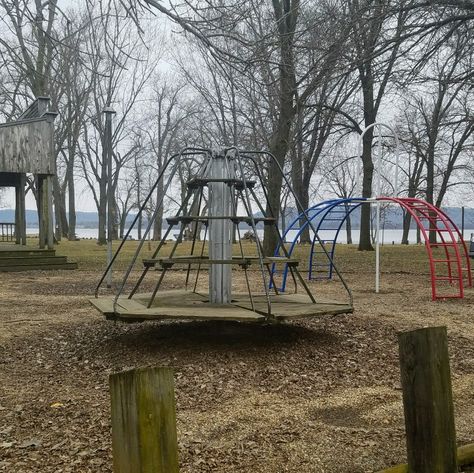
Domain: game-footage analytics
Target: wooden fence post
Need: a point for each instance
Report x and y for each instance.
(144, 436)
(428, 401)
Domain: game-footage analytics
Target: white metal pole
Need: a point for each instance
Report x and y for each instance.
(378, 184)
(377, 234)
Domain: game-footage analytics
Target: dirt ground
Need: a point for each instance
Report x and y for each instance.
(320, 395)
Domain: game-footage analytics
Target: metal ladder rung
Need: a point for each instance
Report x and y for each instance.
(447, 278)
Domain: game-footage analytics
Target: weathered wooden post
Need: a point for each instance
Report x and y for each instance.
(428, 401)
(144, 436)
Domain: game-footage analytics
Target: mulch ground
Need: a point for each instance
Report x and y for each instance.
(320, 395)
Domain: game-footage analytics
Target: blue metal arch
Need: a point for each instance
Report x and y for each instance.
(321, 209)
(354, 204)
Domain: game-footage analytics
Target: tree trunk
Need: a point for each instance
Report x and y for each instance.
(123, 219)
(158, 224)
(102, 211)
(115, 219)
(348, 227)
(59, 210)
(71, 198)
(301, 189)
(365, 241)
(139, 224)
(406, 228)
(286, 15)
(370, 116)
(430, 190)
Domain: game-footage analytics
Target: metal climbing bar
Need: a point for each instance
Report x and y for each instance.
(455, 263)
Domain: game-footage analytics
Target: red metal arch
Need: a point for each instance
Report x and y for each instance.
(456, 263)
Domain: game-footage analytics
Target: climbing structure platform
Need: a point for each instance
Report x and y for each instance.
(218, 276)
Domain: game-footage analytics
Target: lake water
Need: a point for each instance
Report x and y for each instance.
(386, 237)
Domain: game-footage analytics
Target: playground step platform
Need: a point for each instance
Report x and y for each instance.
(18, 258)
(187, 305)
(167, 262)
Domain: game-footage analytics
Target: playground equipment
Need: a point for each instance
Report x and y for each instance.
(27, 147)
(448, 258)
(216, 196)
(328, 216)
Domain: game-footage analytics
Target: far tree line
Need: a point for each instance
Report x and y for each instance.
(302, 80)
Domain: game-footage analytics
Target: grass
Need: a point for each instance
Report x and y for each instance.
(394, 258)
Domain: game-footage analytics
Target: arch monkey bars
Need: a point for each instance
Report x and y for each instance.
(451, 267)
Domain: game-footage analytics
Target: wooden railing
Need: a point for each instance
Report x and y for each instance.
(7, 231)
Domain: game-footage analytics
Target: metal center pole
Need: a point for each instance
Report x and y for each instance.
(220, 230)
(108, 111)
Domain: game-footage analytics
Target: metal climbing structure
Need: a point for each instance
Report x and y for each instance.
(226, 191)
(448, 256)
(328, 217)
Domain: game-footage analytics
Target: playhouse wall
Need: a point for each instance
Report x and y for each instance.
(27, 147)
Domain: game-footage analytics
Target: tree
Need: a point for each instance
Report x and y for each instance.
(121, 67)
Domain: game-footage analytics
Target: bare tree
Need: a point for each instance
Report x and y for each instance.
(122, 67)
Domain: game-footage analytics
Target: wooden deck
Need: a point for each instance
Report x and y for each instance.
(187, 305)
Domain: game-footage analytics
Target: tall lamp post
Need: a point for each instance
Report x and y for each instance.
(109, 112)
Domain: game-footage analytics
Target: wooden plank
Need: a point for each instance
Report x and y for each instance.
(103, 305)
(12, 251)
(132, 309)
(311, 310)
(206, 311)
(144, 438)
(428, 400)
(21, 261)
(191, 306)
(38, 267)
(465, 455)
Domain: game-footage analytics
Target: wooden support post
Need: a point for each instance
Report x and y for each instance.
(41, 211)
(20, 212)
(45, 211)
(20, 223)
(428, 401)
(144, 436)
(49, 213)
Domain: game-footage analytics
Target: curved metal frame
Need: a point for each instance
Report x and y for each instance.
(308, 220)
(436, 213)
(171, 166)
(328, 206)
(189, 151)
(338, 229)
(429, 212)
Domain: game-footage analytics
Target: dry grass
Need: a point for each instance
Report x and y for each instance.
(395, 258)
